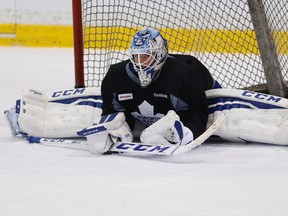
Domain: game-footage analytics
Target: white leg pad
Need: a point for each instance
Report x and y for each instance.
(42, 115)
(259, 125)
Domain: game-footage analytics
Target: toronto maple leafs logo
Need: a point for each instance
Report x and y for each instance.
(146, 114)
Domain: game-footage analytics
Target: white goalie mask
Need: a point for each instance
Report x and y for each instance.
(148, 52)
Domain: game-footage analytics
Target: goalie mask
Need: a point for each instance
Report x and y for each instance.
(148, 53)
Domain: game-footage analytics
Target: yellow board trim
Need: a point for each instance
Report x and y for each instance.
(36, 35)
(192, 40)
(7, 28)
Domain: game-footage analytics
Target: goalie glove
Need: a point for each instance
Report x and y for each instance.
(169, 130)
(108, 130)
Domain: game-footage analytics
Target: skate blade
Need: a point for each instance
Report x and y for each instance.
(14, 131)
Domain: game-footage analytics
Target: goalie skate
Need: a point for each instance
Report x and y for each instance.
(11, 117)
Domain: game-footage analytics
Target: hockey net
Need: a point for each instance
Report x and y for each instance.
(220, 33)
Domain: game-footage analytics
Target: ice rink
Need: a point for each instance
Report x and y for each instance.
(212, 180)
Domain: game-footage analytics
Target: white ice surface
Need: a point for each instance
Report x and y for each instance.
(212, 180)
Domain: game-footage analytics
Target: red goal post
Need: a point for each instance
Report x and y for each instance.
(78, 43)
(243, 43)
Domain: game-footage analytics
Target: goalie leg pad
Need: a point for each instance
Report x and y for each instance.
(41, 116)
(259, 125)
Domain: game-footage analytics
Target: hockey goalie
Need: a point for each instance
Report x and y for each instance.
(172, 98)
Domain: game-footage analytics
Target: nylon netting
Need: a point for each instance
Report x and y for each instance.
(218, 32)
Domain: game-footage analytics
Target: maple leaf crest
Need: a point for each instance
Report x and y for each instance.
(146, 114)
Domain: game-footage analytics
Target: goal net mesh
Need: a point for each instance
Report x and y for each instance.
(218, 32)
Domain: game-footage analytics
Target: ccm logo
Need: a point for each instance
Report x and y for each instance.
(142, 147)
(122, 97)
(68, 92)
(261, 96)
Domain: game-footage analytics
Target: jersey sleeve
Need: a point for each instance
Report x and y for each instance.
(107, 97)
(110, 103)
(195, 117)
(205, 75)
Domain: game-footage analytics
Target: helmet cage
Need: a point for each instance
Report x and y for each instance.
(150, 43)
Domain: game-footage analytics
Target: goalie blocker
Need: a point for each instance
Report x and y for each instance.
(107, 131)
(251, 116)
